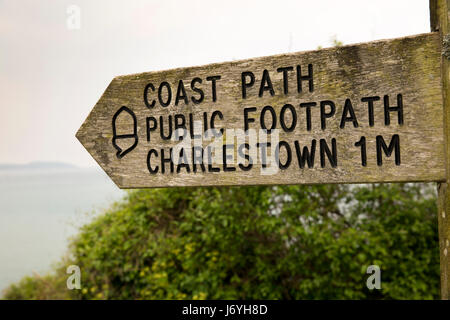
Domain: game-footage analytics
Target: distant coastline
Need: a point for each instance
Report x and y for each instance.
(42, 205)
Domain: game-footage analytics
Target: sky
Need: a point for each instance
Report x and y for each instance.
(57, 57)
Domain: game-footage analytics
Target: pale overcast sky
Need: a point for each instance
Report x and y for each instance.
(51, 76)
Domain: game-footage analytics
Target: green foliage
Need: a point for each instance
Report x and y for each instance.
(49, 287)
(287, 242)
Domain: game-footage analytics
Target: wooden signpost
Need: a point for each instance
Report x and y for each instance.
(439, 21)
(365, 113)
(361, 113)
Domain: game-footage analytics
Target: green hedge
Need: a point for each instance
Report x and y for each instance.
(289, 242)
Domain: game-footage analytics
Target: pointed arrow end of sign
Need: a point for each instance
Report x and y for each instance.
(95, 135)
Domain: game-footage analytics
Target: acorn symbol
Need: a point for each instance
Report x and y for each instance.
(123, 120)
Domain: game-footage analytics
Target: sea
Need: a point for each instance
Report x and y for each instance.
(43, 205)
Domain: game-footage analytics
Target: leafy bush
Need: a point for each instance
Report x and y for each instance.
(287, 242)
(50, 287)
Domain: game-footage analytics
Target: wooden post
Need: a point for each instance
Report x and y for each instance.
(439, 20)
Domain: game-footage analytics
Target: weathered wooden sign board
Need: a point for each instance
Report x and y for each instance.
(370, 112)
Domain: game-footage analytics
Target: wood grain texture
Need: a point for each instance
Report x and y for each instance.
(408, 66)
(439, 21)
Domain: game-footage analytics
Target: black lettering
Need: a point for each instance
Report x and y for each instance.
(152, 104)
(181, 93)
(246, 156)
(266, 84)
(205, 121)
(262, 118)
(370, 101)
(197, 90)
(263, 147)
(182, 161)
(212, 122)
(169, 94)
(332, 155)
(283, 120)
(305, 156)
(245, 84)
(180, 123)
(388, 109)
(248, 120)
(151, 128)
(285, 71)
(324, 115)
(288, 154)
(394, 145)
(161, 128)
(348, 108)
(150, 169)
(197, 159)
(362, 143)
(210, 166)
(213, 80)
(192, 127)
(308, 77)
(226, 157)
(308, 106)
(166, 160)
